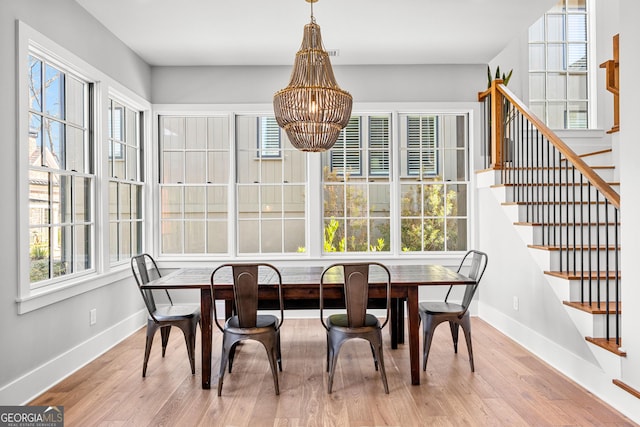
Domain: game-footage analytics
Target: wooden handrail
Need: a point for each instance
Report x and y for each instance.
(499, 90)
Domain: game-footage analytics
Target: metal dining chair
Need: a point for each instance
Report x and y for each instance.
(433, 313)
(355, 322)
(163, 317)
(247, 324)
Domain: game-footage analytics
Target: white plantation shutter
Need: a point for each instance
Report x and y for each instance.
(421, 146)
(379, 146)
(345, 154)
(270, 142)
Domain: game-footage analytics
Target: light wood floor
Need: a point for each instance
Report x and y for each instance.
(510, 387)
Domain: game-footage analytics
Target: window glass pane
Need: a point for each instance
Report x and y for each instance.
(218, 133)
(577, 116)
(54, 92)
(173, 167)
(171, 207)
(81, 199)
(537, 86)
(577, 56)
(61, 199)
(171, 237)
(217, 202)
(113, 242)
(195, 203)
(555, 57)
(35, 84)
(75, 101)
(556, 115)
(39, 251)
(172, 129)
(194, 237)
(379, 146)
(294, 235)
(195, 132)
(35, 140)
(555, 28)
(113, 201)
(196, 172)
(53, 153)
(294, 165)
(556, 86)
(456, 234)
(125, 201)
(536, 56)
(61, 244)
(75, 147)
(577, 86)
(248, 236)
(217, 237)
(271, 236)
(132, 163)
(218, 167)
(576, 28)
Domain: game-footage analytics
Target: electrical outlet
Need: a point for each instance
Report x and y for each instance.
(92, 317)
(516, 303)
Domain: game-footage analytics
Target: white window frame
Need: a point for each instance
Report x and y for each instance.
(30, 298)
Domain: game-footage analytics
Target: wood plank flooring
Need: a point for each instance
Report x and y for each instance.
(510, 387)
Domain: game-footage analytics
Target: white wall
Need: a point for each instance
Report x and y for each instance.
(39, 346)
(629, 179)
(380, 83)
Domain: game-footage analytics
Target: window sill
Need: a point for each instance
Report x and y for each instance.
(53, 294)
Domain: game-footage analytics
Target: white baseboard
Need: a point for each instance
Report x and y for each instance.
(32, 384)
(582, 372)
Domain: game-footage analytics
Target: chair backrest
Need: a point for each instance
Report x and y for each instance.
(246, 280)
(145, 270)
(355, 279)
(476, 271)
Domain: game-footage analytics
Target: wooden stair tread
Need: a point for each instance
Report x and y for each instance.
(585, 275)
(572, 247)
(627, 388)
(591, 153)
(608, 344)
(593, 307)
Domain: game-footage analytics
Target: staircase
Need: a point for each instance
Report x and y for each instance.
(565, 208)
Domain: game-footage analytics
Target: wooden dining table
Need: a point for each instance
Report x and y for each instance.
(300, 289)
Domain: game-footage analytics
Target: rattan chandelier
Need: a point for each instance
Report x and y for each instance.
(312, 109)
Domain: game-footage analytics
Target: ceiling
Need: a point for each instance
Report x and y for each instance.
(269, 32)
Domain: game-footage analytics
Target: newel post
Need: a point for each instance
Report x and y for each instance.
(497, 125)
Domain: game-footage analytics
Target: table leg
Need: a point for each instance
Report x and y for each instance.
(414, 337)
(206, 308)
(394, 323)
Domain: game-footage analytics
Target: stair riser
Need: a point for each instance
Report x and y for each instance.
(596, 286)
(555, 193)
(583, 235)
(552, 175)
(560, 213)
(581, 261)
(592, 325)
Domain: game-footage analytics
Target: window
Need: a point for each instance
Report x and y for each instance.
(125, 182)
(559, 66)
(269, 137)
(357, 200)
(61, 172)
(234, 186)
(194, 179)
(270, 189)
(434, 184)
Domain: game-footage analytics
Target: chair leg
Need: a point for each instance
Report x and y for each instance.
(379, 356)
(189, 331)
(164, 333)
(333, 350)
(273, 362)
(227, 344)
(375, 359)
(151, 330)
(427, 336)
(466, 328)
(278, 350)
(454, 326)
